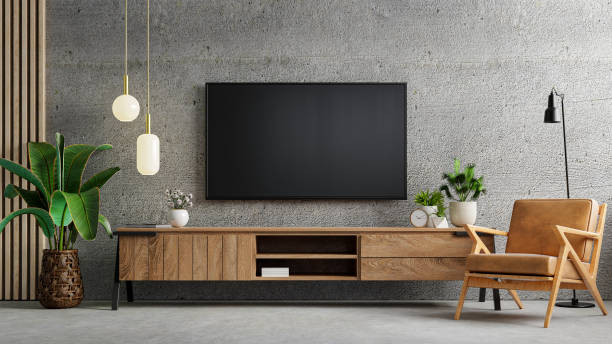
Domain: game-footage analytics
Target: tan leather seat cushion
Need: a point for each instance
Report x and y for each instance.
(533, 222)
(519, 264)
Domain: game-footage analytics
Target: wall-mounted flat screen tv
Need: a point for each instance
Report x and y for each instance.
(305, 141)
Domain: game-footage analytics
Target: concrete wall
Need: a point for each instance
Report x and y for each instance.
(478, 75)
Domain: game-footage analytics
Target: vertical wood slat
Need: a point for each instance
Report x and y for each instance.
(200, 257)
(15, 154)
(156, 258)
(171, 255)
(185, 257)
(126, 257)
(215, 257)
(6, 144)
(23, 120)
(23, 229)
(2, 102)
(41, 104)
(141, 258)
(32, 114)
(245, 257)
(230, 268)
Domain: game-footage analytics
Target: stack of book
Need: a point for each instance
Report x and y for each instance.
(274, 272)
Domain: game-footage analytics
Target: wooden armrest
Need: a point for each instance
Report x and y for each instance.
(569, 230)
(480, 246)
(486, 230)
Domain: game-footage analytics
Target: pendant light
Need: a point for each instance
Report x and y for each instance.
(147, 145)
(126, 107)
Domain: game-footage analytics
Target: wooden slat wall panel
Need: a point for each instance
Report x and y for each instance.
(156, 258)
(185, 252)
(171, 255)
(23, 120)
(215, 257)
(200, 257)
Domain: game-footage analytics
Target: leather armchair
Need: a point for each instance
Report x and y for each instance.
(552, 244)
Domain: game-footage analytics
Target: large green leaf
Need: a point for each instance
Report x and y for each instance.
(32, 198)
(74, 234)
(25, 174)
(75, 160)
(42, 157)
(42, 216)
(59, 161)
(84, 208)
(59, 210)
(104, 222)
(99, 179)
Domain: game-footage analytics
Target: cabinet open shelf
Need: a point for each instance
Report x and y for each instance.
(308, 257)
(308, 278)
(314, 244)
(305, 256)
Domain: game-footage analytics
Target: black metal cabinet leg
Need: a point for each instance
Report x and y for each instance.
(116, 282)
(483, 294)
(130, 291)
(496, 300)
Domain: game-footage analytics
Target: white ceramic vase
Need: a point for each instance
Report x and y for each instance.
(178, 217)
(463, 213)
(430, 210)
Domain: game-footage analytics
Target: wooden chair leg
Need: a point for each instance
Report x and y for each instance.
(464, 290)
(588, 280)
(516, 298)
(553, 298)
(590, 283)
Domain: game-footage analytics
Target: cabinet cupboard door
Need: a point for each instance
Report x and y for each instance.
(187, 256)
(134, 258)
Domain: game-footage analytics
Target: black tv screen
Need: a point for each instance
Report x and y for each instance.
(305, 141)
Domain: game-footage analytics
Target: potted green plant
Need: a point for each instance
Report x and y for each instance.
(64, 208)
(432, 202)
(465, 189)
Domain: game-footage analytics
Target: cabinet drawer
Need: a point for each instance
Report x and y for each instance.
(415, 245)
(396, 269)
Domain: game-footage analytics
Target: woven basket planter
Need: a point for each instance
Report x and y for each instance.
(60, 284)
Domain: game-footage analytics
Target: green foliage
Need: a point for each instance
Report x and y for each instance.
(62, 206)
(441, 210)
(463, 184)
(429, 198)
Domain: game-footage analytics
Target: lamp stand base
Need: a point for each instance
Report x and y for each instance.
(574, 304)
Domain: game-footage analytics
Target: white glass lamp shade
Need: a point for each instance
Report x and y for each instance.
(147, 154)
(126, 108)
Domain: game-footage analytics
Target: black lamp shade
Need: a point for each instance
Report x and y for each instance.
(552, 114)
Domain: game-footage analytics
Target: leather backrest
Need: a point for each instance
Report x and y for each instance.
(533, 222)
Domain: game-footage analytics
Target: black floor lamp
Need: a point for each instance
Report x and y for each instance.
(552, 116)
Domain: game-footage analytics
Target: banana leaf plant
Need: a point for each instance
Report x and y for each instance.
(463, 183)
(63, 207)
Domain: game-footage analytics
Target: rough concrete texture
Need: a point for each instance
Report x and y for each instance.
(405, 322)
(478, 74)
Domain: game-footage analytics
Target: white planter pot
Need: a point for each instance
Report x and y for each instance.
(439, 222)
(430, 210)
(178, 217)
(463, 213)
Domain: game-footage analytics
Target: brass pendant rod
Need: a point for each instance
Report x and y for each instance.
(125, 73)
(148, 118)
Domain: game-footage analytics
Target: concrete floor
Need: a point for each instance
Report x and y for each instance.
(406, 322)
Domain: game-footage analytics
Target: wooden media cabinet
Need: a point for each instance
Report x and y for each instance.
(311, 253)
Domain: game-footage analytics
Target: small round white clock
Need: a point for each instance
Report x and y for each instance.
(418, 218)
